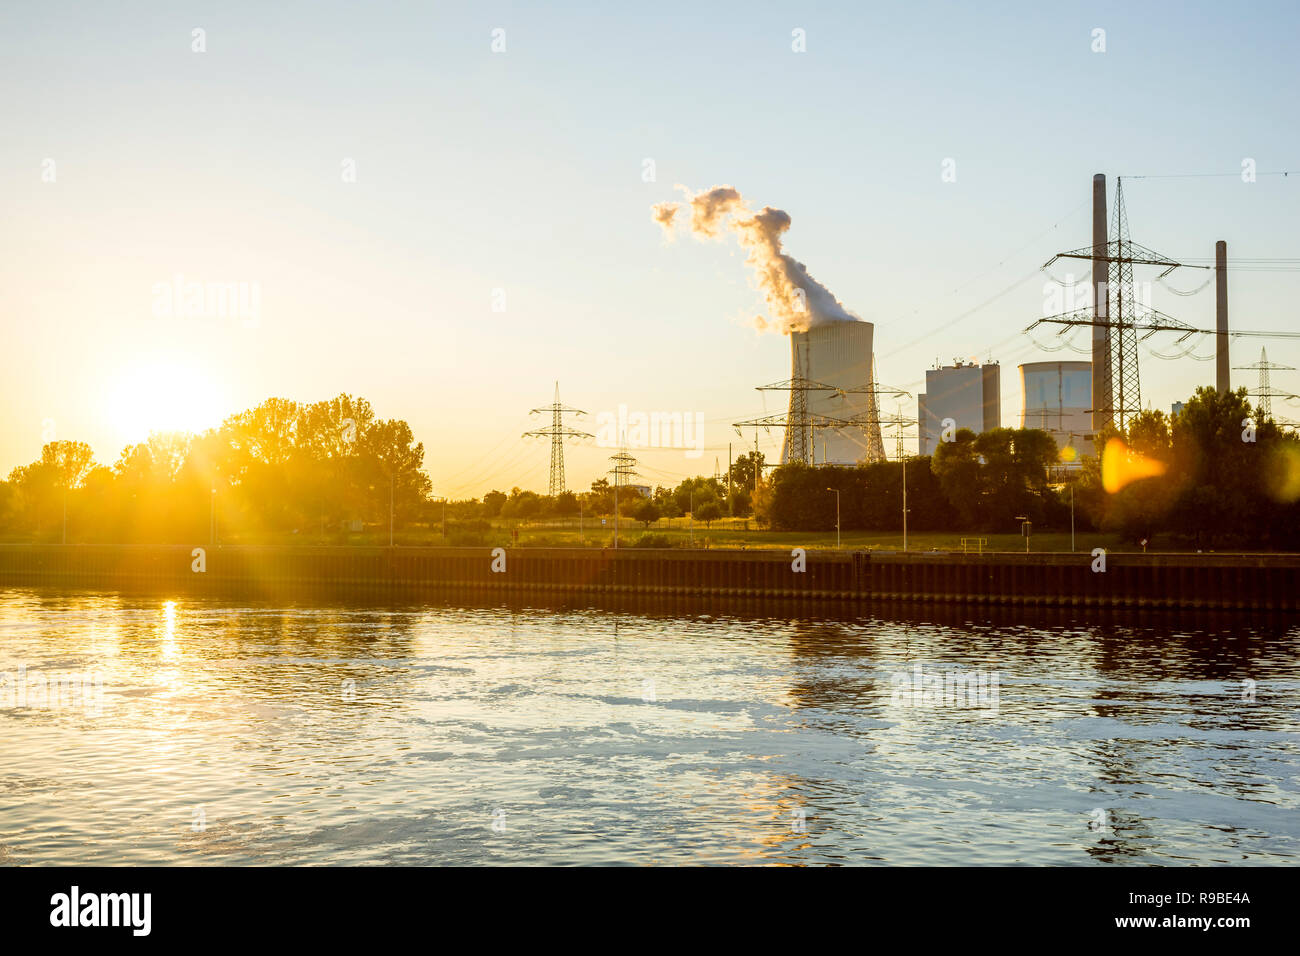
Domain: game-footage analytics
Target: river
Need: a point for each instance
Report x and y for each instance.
(203, 731)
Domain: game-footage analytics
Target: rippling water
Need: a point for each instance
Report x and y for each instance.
(243, 733)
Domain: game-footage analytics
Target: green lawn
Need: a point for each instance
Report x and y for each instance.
(723, 536)
(727, 533)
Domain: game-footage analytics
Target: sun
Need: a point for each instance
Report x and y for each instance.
(162, 394)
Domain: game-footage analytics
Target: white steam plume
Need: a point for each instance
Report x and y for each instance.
(797, 300)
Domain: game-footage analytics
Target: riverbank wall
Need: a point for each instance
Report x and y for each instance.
(1211, 581)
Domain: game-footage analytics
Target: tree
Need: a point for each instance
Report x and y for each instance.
(600, 501)
(1224, 454)
(493, 502)
(1013, 475)
(708, 512)
(522, 504)
(1138, 511)
(700, 490)
(957, 467)
(742, 470)
(666, 502)
(646, 512)
(741, 503)
(68, 462)
(39, 491)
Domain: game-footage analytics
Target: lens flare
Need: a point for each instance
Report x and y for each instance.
(1284, 483)
(1121, 466)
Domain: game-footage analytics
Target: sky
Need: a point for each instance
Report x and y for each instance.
(448, 230)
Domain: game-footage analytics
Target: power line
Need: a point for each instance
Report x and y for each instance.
(1277, 172)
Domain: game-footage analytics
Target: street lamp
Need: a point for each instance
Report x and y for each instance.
(904, 503)
(837, 517)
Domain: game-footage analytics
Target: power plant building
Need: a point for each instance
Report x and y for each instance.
(968, 394)
(1057, 397)
(838, 354)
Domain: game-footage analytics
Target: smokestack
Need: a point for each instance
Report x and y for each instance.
(1101, 402)
(1221, 316)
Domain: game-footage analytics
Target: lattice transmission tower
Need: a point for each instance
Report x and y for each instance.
(1126, 320)
(624, 468)
(557, 433)
(1266, 392)
(801, 424)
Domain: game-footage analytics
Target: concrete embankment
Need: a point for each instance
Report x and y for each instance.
(1220, 581)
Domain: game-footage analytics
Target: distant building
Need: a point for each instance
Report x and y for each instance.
(969, 394)
(645, 491)
(1057, 397)
(1176, 409)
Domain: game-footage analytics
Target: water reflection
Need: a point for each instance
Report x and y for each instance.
(643, 730)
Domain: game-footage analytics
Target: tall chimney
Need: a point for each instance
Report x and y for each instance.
(1101, 400)
(1221, 316)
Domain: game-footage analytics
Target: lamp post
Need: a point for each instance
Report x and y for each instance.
(212, 519)
(837, 517)
(690, 520)
(1071, 516)
(904, 504)
(390, 510)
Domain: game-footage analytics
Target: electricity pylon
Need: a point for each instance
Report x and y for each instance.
(1127, 321)
(801, 424)
(1266, 393)
(624, 468)
(557, 432)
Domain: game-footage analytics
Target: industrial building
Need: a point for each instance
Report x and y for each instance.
(1057, 398)
(837, 354)
(967, 393)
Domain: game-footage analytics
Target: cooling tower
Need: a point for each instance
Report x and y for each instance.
(837, 354)
(1056, 397)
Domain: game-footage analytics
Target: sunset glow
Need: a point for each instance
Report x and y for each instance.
(163, 394)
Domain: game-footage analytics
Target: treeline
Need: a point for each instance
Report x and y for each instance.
(280, 467)
(1231, 478)
(706, 498)
(328, 469)
(976, 483)
(324, 470)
